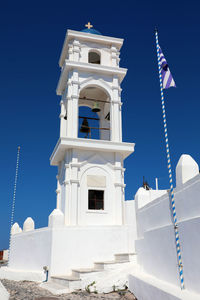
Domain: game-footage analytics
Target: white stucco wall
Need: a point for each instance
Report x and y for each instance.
(104, 51)
(73, 187)
(81, 247)
(156, 240)
(68, 247)
(31, 250)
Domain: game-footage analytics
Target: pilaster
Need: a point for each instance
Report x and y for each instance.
(63, 123)
(115, 56)
(76, 50)
(58, 206)
(119, 189)
(72, 105)
(116, 134)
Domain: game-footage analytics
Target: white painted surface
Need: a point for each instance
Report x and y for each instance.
(106, 281)
(81, 159)
(4, 295)
(76, 235)
(56, 219)
(63, 249)
(15, 228)
(76, 247)
(156, 240)
(143, 197)
(28, 224)
(146, 287)
(20, 274)
(31, 250)
(186, 169)
(82, 42)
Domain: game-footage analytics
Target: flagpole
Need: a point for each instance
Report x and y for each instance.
(13, 203)
(171, 192)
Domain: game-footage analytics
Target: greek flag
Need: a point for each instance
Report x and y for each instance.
(167, 79)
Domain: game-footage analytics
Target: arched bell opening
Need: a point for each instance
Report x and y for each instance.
(94, 113)
(94, 57)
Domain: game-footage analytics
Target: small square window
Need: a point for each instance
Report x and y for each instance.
(95, 199)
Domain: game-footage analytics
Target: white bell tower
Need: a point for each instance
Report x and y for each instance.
(92, 225)
(90, 180)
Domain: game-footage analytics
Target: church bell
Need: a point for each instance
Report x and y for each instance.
(96, 107)
(85, 126)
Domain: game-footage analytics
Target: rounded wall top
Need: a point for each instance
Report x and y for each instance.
(29, 224)
(186, 169)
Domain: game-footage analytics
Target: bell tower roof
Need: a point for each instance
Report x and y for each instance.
(89, 29)
(87, 35)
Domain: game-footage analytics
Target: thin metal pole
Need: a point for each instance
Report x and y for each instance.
(177, 240)
(13, 202)
(94, 100)
(89, 118)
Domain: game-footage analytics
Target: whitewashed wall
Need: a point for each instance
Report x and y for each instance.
(31, 250)
(156, 241)
(63, 248)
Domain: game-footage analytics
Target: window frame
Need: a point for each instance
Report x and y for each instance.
(95, 209)
(98, 53)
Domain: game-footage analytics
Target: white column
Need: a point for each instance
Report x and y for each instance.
(76, 50)
(114, 56)
(119, 186)
(70, 52)
(67, 195)
(72, 107)
(116, 112)
(74, 184)
(58, 193)
(63, 123)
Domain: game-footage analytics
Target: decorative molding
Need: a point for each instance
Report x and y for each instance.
(116, 102)
(119, 168)
(88, 68)
(66, 182)
(74, 181)
(66, 166)
(74, 96)
(120, 184)
(61, 115)
(116, 88)
(77, 50)
(75, 82)
(76, 43)
(78, 165)
(57, 191)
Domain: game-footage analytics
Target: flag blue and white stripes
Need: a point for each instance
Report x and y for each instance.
(167, 79)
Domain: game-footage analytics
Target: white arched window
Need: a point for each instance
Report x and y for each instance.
(94, 57)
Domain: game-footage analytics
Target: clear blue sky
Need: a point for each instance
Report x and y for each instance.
(32, 34)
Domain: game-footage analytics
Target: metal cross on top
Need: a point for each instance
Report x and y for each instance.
(88, 25)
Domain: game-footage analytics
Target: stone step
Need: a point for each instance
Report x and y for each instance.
(109, 265)
(83, 272)
(70, 282)
(122, 256)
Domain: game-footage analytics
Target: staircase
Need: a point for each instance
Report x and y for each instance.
(105, 276)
